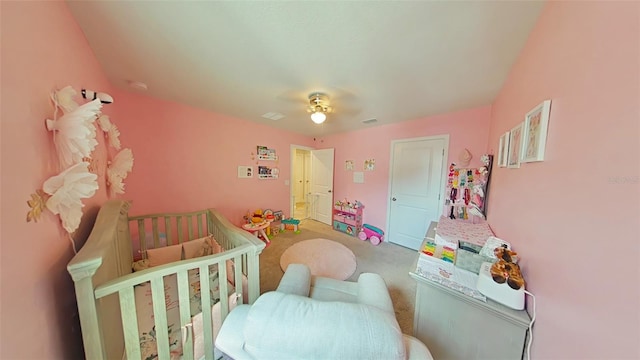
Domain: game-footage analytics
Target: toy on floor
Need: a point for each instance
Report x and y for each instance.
(374, 234)
(290, 224)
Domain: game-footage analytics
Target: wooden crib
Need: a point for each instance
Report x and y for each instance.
(104, 281)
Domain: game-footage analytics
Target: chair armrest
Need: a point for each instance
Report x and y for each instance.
(296, 280)
(416, 350)
(373, 291)
(230, 340)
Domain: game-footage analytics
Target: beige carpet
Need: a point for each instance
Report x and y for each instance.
(324, 257)
(391, 261)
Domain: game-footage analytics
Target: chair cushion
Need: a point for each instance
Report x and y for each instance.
(287, 326)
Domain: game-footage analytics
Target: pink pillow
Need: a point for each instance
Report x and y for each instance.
(201, 247)
(164, 255)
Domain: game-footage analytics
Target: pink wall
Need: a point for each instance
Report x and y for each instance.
(583, 56)
(574, 217)
(187, 159)
(42, 49)
(467, 129)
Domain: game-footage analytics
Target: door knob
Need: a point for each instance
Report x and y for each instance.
(329, 191)
(394, 199)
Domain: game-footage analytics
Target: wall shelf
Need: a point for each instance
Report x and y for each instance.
(267, 176)
(270, 157)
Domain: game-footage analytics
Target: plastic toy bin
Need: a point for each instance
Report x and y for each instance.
(345, 228)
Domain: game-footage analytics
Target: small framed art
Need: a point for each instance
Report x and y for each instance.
(534, 138)
(515, 145)
(503, 150)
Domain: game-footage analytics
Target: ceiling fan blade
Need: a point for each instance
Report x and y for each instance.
(296, 96)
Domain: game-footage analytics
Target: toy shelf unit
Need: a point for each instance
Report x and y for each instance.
(348, 219)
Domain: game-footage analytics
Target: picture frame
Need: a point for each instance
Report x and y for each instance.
(503, 149)
(515, 146)
(348, 165)
(534, 141)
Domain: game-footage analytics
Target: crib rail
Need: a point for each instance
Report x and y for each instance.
(169, 228)
(124, 287)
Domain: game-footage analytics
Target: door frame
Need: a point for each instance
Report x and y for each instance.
(292, 160)
(443, 180)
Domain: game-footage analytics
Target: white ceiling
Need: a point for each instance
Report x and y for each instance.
(393, 61)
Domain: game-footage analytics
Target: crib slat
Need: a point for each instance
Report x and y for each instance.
(179, 228)
(185, 314)
(129, 323)
(205, 297)
(142, 237)
(224, 289)
(190, 227)
(156, 237)
(238, 278)
(160, 317)
(199, 217)
(167, 230)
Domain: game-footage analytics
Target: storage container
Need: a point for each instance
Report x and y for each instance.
(468, 257)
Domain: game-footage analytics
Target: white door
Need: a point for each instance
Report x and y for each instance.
(322, 185)
(415, 189)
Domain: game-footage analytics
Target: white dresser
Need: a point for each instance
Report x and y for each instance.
(456, 326)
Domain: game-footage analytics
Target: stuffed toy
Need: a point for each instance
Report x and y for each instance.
(507, 269)
(505, 254)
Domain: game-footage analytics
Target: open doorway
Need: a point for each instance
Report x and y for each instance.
(311, 187)
(301, 182)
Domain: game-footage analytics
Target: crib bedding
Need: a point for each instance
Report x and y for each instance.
(143, 297)
(144, 311)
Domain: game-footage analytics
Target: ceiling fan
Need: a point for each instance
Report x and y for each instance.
(319, 107)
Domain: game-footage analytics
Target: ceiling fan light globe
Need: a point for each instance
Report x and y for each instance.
(318, 117)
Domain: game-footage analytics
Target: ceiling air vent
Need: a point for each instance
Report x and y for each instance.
(273, 116)
(370, 121)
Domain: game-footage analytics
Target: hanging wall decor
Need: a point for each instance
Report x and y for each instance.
(64, 99)
(464, 158)
(503, 150)
(74, 133)
(74, 136)
(67, 190)
(111, 131)
(117, 170)
(534, 138)
(467, 190)
(515, 142)
(370, 164)
(37, 204)
(348, 165)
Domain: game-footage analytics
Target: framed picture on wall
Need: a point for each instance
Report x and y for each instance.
(534, 138)
(503, 150)
(515, 145)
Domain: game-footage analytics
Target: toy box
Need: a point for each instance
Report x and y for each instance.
(345, 228)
